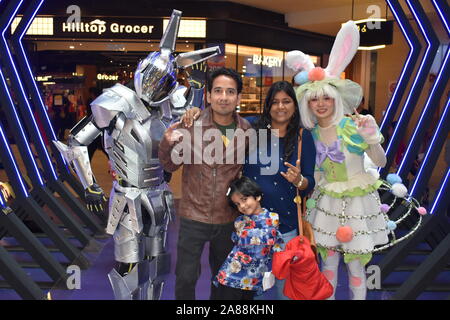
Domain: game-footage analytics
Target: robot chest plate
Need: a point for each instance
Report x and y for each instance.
(133, 149)
(137, 141)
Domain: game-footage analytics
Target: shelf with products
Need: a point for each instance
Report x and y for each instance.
(249, 112)
(250, 107)
(251, 96)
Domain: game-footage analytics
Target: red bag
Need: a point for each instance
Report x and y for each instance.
(298, 264)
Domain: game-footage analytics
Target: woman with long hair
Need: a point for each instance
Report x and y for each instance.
(280, 122)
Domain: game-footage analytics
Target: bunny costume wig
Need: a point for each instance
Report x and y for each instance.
(315, 81)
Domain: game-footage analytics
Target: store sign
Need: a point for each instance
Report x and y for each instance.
(375, 34)
(115, 28)
(43, 78)
(267, 61)
(107, 77)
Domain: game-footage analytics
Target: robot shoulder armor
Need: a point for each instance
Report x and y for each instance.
(108, 105)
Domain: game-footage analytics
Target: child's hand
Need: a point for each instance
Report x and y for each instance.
(268, 281)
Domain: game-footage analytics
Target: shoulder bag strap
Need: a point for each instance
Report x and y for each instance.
(299, 203)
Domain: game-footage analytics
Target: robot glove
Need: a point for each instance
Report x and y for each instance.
(95, 198)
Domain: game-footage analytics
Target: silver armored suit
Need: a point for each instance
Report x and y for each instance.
(133, 122)
(140, 204)
(140, 195)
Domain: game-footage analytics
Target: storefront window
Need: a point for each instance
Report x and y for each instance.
(250, 70)
(272, 69)
(259, 69)
(230, 55)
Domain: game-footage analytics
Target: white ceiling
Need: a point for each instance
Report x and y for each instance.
(326, 16)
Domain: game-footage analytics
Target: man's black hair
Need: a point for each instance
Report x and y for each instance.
(225, 72)
(245, 186)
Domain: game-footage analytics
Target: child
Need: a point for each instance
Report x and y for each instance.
(344, 209)
(249, 262)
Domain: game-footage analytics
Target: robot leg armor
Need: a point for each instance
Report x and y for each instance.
(159, 205)
(147, 249)
(128, 244)
(145, 281)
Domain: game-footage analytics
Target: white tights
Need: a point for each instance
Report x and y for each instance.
(356, 275)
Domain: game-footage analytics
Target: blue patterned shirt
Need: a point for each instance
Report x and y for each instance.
(256, 238)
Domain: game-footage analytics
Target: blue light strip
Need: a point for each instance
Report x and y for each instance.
(28, 65)
(443, 127)
(410, 103)
(408, 67)
(23, 55)
(36, 129)
(443, 11)
(12, 103)
(417, 137)
(444, 70)
(443, 190)
(442, 194)
(433, 151)
(23, 134)
(8, 149)
(2, 202)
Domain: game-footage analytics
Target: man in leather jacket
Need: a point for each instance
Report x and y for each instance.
(205, 214)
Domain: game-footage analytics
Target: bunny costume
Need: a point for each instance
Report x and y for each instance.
(344, 209)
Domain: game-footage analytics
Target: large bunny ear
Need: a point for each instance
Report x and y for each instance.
(297, 60)
(344, 49)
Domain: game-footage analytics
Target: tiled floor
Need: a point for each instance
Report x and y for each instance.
(95, 284)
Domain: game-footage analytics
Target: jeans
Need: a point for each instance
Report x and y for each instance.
(228, 293)
(191, 239)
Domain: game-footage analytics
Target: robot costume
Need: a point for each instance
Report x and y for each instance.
(133, 123)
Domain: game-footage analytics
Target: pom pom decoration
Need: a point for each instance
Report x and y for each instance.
(422, 211)
(316, 74)
(399, 190)
(385, 208)
(310, 203)
(301, 77)
(393, 178)
(391, 225)
(344, 234)
(297, 60)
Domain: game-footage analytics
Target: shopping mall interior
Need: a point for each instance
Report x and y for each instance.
(56, 57)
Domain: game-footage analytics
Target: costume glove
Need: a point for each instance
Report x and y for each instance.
(368, 129)
(95, 198)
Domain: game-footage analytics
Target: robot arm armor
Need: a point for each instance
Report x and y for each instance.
(84, 132)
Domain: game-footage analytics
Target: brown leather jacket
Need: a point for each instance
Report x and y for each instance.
(204, 186)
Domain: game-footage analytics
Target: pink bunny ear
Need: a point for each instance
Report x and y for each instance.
(344, 49)
(297, 60)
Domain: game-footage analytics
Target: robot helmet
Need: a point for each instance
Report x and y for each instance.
(155, 78)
